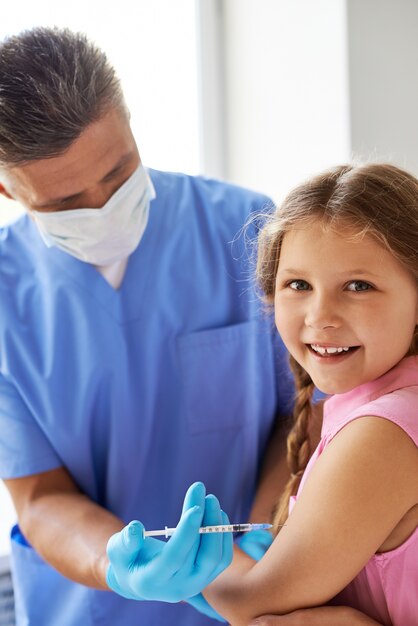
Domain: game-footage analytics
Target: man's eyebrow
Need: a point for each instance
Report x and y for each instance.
(122, 161)
(55, 201)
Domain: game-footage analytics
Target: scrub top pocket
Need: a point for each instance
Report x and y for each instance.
(233, 363)
(53, 599)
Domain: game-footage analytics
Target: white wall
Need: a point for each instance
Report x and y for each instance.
(383, 62)
(286, 86)
(311, 84)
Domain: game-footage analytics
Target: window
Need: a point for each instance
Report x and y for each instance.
(153, 48)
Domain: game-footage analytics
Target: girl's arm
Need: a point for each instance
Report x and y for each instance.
(322, 616)
(359, 489)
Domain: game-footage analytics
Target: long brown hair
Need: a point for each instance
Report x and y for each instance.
(376, 199)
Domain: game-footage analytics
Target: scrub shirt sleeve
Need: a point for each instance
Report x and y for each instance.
(24, 448)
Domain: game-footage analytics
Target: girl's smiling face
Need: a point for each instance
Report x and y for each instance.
(345, 307)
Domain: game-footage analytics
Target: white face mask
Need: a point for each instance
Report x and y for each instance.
(102, 236)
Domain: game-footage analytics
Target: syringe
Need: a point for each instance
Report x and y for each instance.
(221, 528)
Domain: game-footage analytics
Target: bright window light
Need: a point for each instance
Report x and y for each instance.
(153, 48)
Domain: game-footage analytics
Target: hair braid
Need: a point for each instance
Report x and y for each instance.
(298, 449)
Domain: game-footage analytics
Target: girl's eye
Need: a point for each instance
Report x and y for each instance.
(299, 285)
(358, 285)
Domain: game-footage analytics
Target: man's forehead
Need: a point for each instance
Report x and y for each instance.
(104, 146)
(76, 186)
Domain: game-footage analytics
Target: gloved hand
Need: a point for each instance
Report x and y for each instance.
(145, 568)
(255, 543)
(202, 605)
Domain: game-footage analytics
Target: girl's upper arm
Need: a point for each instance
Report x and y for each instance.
(361, 486)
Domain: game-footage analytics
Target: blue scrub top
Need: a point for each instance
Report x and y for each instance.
(138, 392)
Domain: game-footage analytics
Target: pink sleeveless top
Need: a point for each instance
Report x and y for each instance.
(386, 589)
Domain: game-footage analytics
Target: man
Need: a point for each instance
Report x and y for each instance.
(134, 359)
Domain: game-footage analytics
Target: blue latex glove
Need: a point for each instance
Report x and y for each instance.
(255, 543)
(202, 605)
(145, 568)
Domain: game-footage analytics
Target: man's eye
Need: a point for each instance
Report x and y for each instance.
(359, 285)
(299, 285)
(112, 175)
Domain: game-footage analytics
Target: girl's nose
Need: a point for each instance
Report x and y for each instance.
(322, 313)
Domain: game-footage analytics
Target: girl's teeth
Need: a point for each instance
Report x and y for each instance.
(332, 350)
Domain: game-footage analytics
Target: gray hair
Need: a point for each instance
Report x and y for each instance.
(53, 84)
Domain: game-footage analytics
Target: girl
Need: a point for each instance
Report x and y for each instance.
(339, 260)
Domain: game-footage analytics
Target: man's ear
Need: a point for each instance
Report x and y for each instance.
(4, 192)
